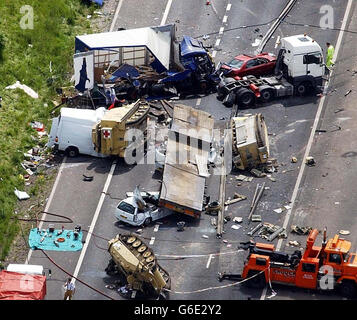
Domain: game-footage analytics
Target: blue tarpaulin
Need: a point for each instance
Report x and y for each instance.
(49, 238)
(125, 71)
(100, 2)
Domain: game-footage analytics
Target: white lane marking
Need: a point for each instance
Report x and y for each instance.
(209, 261)
(166, 13)
(152, 241)
(48, 204)
(229, 5)
(94, 220)
(277, 42)
(264, 293)
(221, 29)
(214, 53)
(218, 41)
(225, 19)
(308, 147)
(198, 101)
(156, 229)
(116, 15)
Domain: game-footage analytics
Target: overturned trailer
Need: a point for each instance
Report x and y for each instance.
(185, 167)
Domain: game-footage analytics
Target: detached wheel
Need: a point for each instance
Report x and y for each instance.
(348, 289)
(72, 152)
(267, 95)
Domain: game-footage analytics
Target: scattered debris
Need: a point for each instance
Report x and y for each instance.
(300, 230)
(214, 222)
(293, 159)
(255, 229)
(204, 236)
(269, 231)
(88, 178)
(294, 243)
(339, 110)
(348, 92)
(242, 177)
(258, 173)
(28, 90)
(257, 195)
(237, 197)
(236, 227)
(345, 232)
(272, 179)
(310, 161)
(256, 218)
(213, 207)
(237, 219)
(279, 210)
(21, 195)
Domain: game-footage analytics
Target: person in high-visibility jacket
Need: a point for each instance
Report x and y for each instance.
(329, 56)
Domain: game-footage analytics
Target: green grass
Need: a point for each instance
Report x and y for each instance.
(25, 55)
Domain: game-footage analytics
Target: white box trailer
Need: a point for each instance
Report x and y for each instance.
(71, 131)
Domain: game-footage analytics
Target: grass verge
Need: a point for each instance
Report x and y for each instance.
(41, 58)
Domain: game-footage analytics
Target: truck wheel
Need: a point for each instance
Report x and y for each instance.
(229, 100)
(348, 288)
(303, 88)
(267, 95)
(246, 97)
(147, 221)
(72, 152)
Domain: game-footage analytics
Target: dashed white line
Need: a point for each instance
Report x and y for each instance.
(221, 29)
(229, 5)
(198, 101)
(209, 261)
(218, 41)
(225, 19)
(156, 229)
(277, 42)
(152, 240)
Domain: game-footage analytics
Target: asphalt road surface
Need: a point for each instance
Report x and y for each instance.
(289, 124)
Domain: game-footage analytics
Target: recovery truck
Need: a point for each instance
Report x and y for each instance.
(303, 270)
(148, 62)
(99, 132)
(299, 70)
(250, 141)
(136, 265)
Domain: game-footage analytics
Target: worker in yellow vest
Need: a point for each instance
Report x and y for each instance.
(329, 56)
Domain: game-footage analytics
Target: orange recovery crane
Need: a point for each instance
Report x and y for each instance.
(305, 270)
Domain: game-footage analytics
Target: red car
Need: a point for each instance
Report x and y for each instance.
(244, 65)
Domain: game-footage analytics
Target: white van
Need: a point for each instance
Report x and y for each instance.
(71, 131)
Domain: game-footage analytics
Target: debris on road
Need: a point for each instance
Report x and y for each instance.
(293, 159)
(255, 229)
(300, 230)
(258, 173)
(236, 198)
(204, 236)
(257, 195)
(294, 243)
(310, 161)
(345, 232)
(242, 177)
(348, 92)
(237, 219)
(235, 227)
(339, 110)
(214, 222)
(213, 207)
(279, 210)
(270, 231)
(87, 178)
(256, 218)
(181, 226)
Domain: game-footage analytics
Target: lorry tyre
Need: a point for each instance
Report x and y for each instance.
(303, 88)
(229, 100)
(72, 152)
(348, 288)
(147, 221)
(245, 97)
(266, 95)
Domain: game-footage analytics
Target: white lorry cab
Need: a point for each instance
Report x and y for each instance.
(71, 131)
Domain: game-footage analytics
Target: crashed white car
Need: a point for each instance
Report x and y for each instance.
(140, 210)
